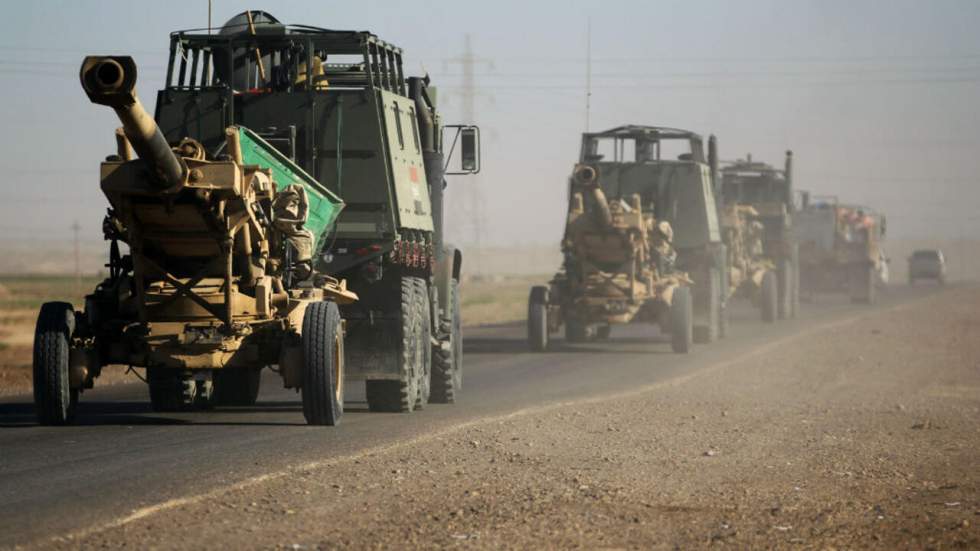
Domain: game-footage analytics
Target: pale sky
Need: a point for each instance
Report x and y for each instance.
(880, 100)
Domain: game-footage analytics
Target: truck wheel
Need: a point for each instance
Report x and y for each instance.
(708, 332)
(769, 297)
(400, 395)
(794, 304)
(171, 390)
(723, 322)
(236, 386)
(537, 319)
(862, 284)
(603, 331)
(785, 289)
(576, 331)
(681, 321)
(54, 400)
(447, 371)
(425, 340)
(323, 364)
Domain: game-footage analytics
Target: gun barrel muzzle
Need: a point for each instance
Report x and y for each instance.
(111, 81)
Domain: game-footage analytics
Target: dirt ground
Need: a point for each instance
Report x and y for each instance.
(859, 434)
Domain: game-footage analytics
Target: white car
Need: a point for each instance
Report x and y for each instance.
(927, 264)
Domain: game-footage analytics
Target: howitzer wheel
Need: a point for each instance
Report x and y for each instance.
(323, 364)
(54, 400)
(447, 366)
(576, 330)
(537, 319)
(681, 321)
(402, 394)
(769, 297)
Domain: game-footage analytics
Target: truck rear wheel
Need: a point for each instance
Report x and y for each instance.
(423, 303)
(862, 284)
(576, 331)
(237, 386)
(172, 390)
(447, 367)
(400, 395)
(323, 364)
(537, 319)
(681, 321)
(785, 303)
(54, 400)
(769, 297)
(709, 330)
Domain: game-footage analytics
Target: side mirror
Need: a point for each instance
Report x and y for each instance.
(469, 150)
(468, 139)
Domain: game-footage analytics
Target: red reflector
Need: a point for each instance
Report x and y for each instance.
(361, 252)
(375, 247)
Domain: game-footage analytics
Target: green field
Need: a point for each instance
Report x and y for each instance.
(22, 292)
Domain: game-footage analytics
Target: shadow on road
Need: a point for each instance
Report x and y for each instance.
(139, 413)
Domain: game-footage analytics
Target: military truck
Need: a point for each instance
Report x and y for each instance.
(219, 278)
(618, 269)
(765, 196)
(658, 174)
(348, 155)
(840, 248)
(340, 105)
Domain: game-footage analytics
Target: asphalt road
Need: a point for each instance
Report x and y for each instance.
(120, 456)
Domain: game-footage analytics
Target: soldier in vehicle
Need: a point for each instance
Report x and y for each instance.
(663, 252)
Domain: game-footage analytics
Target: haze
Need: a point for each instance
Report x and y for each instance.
(877, 99)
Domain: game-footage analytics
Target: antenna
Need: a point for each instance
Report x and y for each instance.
(588, 73)
(209, 16)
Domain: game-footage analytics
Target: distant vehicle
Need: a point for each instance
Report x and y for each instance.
(927, 264)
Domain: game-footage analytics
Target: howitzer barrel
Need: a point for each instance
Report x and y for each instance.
(587, 177)
(111, 81)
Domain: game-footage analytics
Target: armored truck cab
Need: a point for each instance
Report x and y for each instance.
(338, 104)
(674, 176)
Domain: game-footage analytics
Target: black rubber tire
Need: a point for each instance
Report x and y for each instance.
(576, 331)
(537, 319)
(236, 386)
(682, 321)
(794, 305)
(423, 298)
(709, 331)
(785, 289)
(723, 322)
(54, 401)
(447, 367)
(602, 332)
(769, 297)
(863, 284)
(323, 364)
(171, 390)
(400, 395)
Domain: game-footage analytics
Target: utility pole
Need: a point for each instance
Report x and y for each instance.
(588, 74)
(468, 208)
(76, 228)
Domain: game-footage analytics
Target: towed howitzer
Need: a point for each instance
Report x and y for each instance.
(218, 282)
(618, 269)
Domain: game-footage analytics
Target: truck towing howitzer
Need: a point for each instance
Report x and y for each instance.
(219, 280)
(618, 269)
(757, 212)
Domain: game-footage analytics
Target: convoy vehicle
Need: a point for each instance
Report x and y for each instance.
(764, 195)
(288, 171)
(840, 248)
(635, 190)
(927, 264)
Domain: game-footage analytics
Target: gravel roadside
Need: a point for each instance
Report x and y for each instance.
(863, 435)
